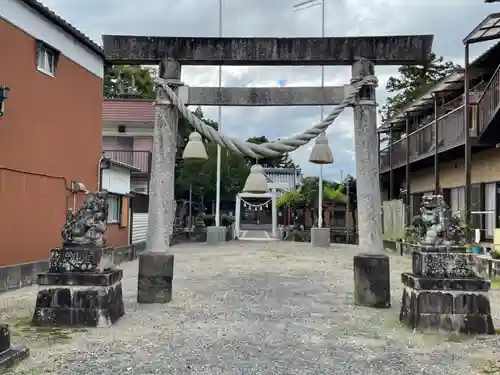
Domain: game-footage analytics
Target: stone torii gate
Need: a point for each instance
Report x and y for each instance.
(359, 52)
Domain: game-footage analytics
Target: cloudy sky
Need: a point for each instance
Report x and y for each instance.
(448, 20)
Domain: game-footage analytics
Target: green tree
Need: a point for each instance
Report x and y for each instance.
(126, 81)
(307, 195)
(202, 176)
(292, 198)
(413, 82)
(350, 191)
(137, 82)
(282, 161)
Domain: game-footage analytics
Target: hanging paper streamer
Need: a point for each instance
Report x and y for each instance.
(255, 207)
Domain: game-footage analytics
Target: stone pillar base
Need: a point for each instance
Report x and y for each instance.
(10, 355)
(446, 304)
(156, 272)
(372, 280)
(215, 235)
(320, 237)
(92, 299)
(444, 292)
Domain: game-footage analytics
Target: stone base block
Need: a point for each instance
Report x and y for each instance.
(372, 280)
(10, 355)
(212, 235)
(320, 237)
(215, 235)
(79, 299)
(156, 272)
(443, 264)
(458, 305)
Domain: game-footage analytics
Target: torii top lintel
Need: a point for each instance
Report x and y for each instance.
(382, 50)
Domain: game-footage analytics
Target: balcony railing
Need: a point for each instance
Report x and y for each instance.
(489, 101)
(450, 131)
(137, 159)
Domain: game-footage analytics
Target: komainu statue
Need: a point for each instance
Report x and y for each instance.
(86, 226)
(436, 225)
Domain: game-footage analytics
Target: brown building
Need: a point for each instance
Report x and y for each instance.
(419, 157)
(50, 131)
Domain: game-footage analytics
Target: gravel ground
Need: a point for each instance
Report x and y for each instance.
(251, 308)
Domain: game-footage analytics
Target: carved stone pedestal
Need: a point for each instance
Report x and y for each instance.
(75, 293)
(444, 293)
(9, 354)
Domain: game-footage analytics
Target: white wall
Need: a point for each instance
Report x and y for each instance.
(139, 185)
(116, 179)
(38, 27)
(139, 227)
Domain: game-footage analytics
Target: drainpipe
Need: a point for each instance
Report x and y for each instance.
(99, 174)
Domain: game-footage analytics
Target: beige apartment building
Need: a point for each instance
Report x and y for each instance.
(423, 148)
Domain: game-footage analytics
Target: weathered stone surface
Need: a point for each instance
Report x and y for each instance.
(372, 280)
(320, 237)
(366, 149)
(215, 235)
(442, 264)
(436, 249)
(80, 278)
(266, 96)
(436, 283)
(68, 306)
(75, 258)
(457, 311)
(9, 355)
(383, 50)
(156, 272)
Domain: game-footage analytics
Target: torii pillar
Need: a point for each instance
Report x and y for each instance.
(156, 265)
(371, 268)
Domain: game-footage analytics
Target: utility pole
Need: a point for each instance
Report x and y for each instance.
(219, 149)
(298, 7)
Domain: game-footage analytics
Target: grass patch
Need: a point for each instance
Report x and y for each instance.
(495, 283)
(23, 328)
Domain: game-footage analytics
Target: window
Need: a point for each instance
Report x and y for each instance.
(46, 59)
(457, 197)
(490, 204)
(114, 209)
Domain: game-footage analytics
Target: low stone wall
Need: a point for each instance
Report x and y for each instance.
(19, 275)
(337, 235)
(486, 267)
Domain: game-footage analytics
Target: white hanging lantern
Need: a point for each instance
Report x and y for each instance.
(256, 182)
(321, 152)
(195, 149)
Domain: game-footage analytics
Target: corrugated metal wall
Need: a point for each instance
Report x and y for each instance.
(139, 227)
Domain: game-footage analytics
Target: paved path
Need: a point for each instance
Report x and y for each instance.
(250, 308)
(255, 235)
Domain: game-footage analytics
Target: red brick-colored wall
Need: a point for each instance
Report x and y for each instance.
(50, 134)
(117, 236)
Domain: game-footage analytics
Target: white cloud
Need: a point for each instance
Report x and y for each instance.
(448, 20)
